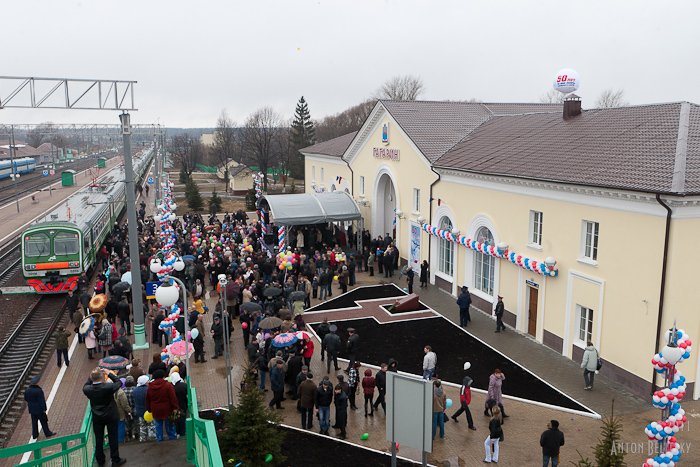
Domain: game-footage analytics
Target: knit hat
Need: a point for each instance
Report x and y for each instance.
(175, 378)
(142, 381)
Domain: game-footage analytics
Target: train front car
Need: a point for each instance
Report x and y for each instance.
(52, 257)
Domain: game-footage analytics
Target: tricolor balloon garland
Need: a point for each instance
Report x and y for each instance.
(548, 267)
(668, 399)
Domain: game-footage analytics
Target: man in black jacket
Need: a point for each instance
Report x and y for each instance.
(332, 344)
(322, 330)
(380, 384)
(551, 441)
(352, 347)
(101, 393)
(36, 404)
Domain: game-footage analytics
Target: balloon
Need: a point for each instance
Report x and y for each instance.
(244, 325)
(364, 437)
(148, 416)
(449, 403)
(268, 458)
(194, 333)
(397, 446)
(566, 81)
(335, 278)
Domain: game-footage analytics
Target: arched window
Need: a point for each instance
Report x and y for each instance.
(484, 264)
(446, 249)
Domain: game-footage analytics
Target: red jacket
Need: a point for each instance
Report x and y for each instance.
(308, 349)
(161, 400)
(465, 395)
(368, 383)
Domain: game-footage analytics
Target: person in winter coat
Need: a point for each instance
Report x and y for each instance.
(368, 385)
(410, 274)
(332, 344)
(500, 309)
(198, 343)
(36, 405)
(307, 398)
(124, 313)
(322, 330)
(380, 382)
(295, 364)
(161, 401)
(308, 351)
(340, 399)
(494, 392)
(424, 271)
(492, 441)
(144, 429)
(104, 339)
(371, 258)
(217, 332)
(181, 393)
(429, 363)
(589, 365)
(465, 398)
(90, 343)
(100, 390)
(551, 441)
(277, 383)
(352, 346)
(124, 410)
(439, 404)
(323, 399)
(353, 383)
(464, 301)
(61, 336)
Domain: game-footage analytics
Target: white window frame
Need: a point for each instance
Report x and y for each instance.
(584, 315)
(416, 200)
(483, 262)
(446, 250)
(362, 185)
(589, 242)
(535, 231)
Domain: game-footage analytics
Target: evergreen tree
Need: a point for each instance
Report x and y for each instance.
(184, 176)
(303, 134)
(194, 198)
(215, 203)
(251, 432)
(608, 451)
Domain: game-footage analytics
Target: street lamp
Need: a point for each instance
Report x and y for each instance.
(223, 282)
(167, 295)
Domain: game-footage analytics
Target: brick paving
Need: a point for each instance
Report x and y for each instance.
(461, 446)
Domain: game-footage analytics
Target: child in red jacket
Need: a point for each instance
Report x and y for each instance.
(465, 398)
(368, 385)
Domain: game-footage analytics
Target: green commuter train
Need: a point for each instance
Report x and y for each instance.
(57, 249)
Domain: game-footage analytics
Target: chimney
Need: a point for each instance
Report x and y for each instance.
(572, 106)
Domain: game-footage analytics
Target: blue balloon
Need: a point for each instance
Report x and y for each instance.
(686, 355)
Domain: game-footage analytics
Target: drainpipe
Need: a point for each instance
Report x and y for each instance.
(663, 280)
(430, 210)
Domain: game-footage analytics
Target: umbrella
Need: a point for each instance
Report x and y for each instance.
(284, 340)
(302, 335)
(177, 349)
(284, 313)
(251, 307)
(187, 258)
(272, 292)
(271, 322)
(86, 325)
(98, 303)
(113, 362)
(120, 288)
(298, 295)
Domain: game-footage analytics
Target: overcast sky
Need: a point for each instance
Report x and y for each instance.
(194, 58)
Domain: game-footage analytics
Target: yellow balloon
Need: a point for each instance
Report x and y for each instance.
(335, 278)
(148, 416)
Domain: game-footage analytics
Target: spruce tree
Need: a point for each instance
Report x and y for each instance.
(251, 432)
(215, 203)
(194, 198)
(608, 451)
(303, 134)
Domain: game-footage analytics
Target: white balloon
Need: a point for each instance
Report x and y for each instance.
(126, 277)
(566, 81)
(194, 333)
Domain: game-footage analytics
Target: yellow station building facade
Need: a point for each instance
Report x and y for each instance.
(586, 222)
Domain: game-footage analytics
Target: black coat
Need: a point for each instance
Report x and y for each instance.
(324, 397)
(36, 402)
(551, 440)
(101, 398)
(332, 342)
(181, 394)
(380, 380)
(353, 344)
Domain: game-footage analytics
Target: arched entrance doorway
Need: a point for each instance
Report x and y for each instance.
(384, 207)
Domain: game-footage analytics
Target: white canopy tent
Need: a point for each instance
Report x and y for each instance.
(311, 208)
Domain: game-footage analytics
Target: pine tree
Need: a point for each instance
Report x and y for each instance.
(184, 177)
(251, 434)
(215, 203)
(608, 452)
(194, 198)
(303, 134)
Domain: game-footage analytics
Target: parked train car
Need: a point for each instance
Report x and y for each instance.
(24, 165)
(57, 250)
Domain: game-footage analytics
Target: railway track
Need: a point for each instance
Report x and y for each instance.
(10, 261)
(24, 355)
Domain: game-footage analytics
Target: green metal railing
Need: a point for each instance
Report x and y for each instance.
(202, 443)
(79, 449)
(70, 450)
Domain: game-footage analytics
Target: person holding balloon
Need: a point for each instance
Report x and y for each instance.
(197, 334)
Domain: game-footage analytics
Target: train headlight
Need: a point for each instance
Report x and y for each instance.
(29, 267)
(73, 264)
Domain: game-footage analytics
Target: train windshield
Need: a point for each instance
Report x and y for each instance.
(37, 244)
(66, 243)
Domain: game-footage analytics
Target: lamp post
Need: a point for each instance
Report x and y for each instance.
(167, 295)
(223, 282)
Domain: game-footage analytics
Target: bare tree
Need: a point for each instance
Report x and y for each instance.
(225, 142)
(284, 147)
(401, 88)
(552, 97)
(187, 153)
(611, 98)
(344, 122)
(257, 139)
(40, 134)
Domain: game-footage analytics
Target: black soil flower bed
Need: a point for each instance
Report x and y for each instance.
(305, 449)
(361, 293)
(404, 341)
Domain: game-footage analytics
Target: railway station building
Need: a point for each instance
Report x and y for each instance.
(586, 222)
